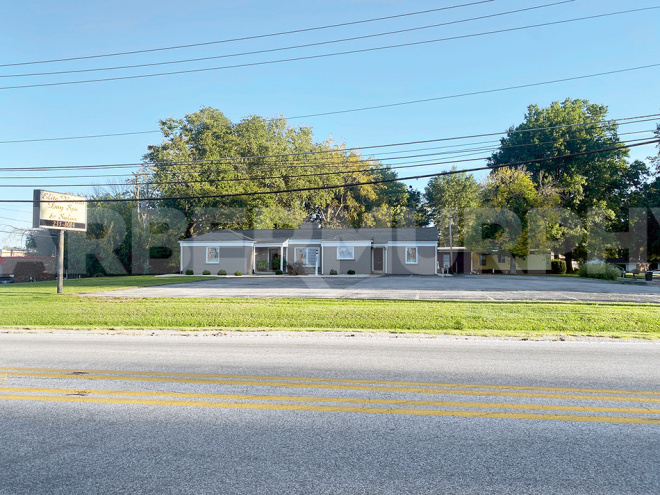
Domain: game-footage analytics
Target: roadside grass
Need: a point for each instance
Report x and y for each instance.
(37, 305)
(93, 284)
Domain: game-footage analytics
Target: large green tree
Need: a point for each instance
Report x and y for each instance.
(602, 180)
(221, 169)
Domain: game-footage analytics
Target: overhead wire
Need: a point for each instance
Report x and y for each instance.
(345, 186)
(619, 121)
(246, 38)
(334, 54)
(285, 48)
(365, 168)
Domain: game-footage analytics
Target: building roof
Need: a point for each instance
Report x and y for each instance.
(376, 235)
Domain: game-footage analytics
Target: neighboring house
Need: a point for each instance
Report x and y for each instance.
(397, 251)
(535, 262)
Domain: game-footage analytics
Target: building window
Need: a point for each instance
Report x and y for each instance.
(306, 256)
(501, 258)
(445, 261)
(411, 256)
(482, 260)
(212, 255)
(345, 253)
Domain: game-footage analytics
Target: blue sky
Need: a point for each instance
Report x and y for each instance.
(40, 30)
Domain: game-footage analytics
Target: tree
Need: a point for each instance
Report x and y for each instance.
(596, 180)
(213, 162)
(510, 195)
(452, 195)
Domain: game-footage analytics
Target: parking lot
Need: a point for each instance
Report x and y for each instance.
(460, 287)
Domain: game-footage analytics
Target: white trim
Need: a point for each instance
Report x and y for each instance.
(413, 243)
(217, 261)
(311, 243)
(352, 248)
(268, 244)
(216, 243)
(347, 243)
(405, 255)
(181, 259)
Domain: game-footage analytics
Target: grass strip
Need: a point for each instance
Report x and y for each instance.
(37, 306)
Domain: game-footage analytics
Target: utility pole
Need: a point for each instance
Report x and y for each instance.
(451, 246)
(60, 263)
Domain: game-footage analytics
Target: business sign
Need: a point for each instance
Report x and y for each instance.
(58, 211)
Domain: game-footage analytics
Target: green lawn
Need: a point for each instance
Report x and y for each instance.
(99, 284)
(37, 305)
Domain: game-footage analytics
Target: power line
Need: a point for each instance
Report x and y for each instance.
(620, 121)
(388, 105)
(345, 186)
(366, 168)
(326, 55)
(80, 137)
(294, 47)
(245, 38)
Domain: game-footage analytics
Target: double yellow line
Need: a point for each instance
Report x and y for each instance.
(584, 413)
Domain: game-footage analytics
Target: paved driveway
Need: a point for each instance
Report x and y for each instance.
(460, 287)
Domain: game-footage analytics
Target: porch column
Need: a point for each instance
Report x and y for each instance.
(254, 259)
(282, 258)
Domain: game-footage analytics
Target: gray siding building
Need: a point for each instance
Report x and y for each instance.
(398, 251)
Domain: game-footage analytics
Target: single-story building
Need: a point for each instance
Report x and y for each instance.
(398, 251)
(23, 268)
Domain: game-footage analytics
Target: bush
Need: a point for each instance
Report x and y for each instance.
(599, 270)
(237, 273)
(297, 268)
(222, 272)
(206, 272)
(333, 272)
(278, 272)
(189, 272)
(351, 272)
(262, 265)
(558, 267)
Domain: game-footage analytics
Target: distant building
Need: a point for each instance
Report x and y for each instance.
(26, 268)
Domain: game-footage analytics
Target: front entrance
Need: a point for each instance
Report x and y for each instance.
(274, 258)
(379, 259)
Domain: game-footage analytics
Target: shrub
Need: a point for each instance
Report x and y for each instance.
(599, 270)
(333, 272)
(222, 272)
(238, 273)
(558, 266)
(351, 272)
(297, 268)
(278, 272)
(276, 262)
(206, 272)
(189, 272)
(262, 265)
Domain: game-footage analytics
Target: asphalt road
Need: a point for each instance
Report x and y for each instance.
(326, 414)
(462, 287)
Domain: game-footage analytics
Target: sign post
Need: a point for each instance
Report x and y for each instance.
(61, 212)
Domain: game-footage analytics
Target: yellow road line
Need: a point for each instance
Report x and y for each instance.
(335, 380)
(320, 408)
(351, 400)
(430, 391)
